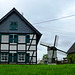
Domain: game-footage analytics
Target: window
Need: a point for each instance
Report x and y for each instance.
(13, 25)
(5, 39)
(5, 47)
(13, 38)
(13, 47)
(21, 47)
(21, 57)
(4, 57)
(21, 38)
(27, 38)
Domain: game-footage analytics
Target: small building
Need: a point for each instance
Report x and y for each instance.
(18, 39)
(71, 54)
(71, 49)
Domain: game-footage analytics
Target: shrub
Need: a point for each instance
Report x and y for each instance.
(71, 58)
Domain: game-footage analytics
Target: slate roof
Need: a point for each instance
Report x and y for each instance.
(71, 49)
(32, 27)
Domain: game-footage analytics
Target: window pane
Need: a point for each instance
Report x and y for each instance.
(4, 57)
(21, 39)
(21, 47)
(13, 47)
(4, 46)
(21, 57)
(5, 38)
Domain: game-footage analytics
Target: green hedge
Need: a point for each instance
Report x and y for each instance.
(71, 58)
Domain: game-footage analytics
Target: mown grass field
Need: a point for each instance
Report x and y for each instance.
(68, 69)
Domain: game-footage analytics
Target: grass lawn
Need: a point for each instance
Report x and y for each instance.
(68, 69)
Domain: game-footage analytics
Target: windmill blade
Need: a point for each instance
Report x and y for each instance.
(45, 44)
(55, 41)
(62, 51)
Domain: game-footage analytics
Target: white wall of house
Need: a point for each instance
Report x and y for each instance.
(34, 59)
(21, 39)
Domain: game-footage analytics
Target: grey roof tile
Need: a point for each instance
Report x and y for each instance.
(71, 49)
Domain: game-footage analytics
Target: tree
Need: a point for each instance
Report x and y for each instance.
(71, 58)
(45, 58)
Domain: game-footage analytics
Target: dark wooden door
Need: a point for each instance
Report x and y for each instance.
(27, 58)
(12, 57)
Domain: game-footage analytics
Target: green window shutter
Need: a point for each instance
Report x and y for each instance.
(10, 57)
(15, 38)
(27, 38)
(27, 58)
(10, 38)
(15, 57)
(13, 25)
(0, 38)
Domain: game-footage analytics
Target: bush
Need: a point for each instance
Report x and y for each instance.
(71, 58)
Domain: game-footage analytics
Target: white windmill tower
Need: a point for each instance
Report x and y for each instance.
(52, 51)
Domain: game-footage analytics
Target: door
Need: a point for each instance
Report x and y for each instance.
(13, 57)
(10, 57)
(27, 58)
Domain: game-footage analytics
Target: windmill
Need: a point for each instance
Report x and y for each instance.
(52, 51)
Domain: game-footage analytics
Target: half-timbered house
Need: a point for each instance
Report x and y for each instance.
(18, 39)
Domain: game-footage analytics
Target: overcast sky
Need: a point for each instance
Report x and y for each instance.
(42, 10)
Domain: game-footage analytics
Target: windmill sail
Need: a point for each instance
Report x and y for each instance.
(54, 49)
(45, 44)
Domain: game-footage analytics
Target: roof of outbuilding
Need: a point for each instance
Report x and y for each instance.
(71, 49)
(32, 27)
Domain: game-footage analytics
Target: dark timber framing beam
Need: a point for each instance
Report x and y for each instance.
(24, 51)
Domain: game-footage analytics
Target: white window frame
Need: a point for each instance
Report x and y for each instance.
(5, 39)
(21, 39)
(4, 56)
(21, 57)
(4, 46)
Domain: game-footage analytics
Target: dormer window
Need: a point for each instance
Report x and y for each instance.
(13, 25)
